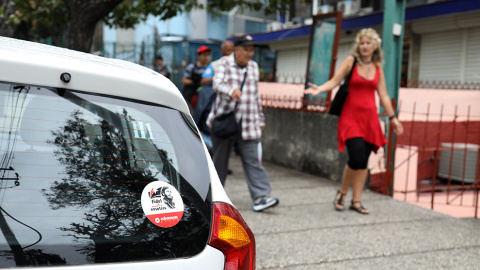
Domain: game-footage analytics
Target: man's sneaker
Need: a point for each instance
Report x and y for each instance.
(263, 203)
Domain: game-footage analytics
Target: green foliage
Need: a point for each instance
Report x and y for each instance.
(39, 18)
(43, 16)
(128, 13)
(268, 6)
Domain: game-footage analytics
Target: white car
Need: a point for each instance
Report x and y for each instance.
(102, 167)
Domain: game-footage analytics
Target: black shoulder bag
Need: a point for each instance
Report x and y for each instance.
(341, 96)
(226, 125)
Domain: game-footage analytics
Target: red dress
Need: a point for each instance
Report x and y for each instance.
(359, 117)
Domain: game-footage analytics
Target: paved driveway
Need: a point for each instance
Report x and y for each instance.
(304, 231)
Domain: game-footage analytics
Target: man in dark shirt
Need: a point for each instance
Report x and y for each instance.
(160, 67)
(193, 74)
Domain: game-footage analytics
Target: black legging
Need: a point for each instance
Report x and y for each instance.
(358, 153)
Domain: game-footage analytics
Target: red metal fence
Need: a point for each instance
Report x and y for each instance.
(299, 103)
(437, 162)
(440, 84)
(431, 84)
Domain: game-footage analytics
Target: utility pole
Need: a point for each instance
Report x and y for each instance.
(393, 29)
(18, 254)
(392, 44)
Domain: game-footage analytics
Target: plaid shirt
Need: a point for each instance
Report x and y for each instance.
(229, 77)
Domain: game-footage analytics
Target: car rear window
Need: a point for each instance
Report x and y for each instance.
(74, 167)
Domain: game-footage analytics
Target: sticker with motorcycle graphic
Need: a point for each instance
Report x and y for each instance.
(162, 204)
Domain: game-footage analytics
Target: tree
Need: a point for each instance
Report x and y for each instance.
(6, 10)
(79, 18)
(32, 20)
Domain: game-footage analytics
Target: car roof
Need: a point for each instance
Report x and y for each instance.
(39, 64)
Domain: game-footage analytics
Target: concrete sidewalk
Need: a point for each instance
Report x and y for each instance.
(305, 232)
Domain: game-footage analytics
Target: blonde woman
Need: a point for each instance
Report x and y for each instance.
(358, 126)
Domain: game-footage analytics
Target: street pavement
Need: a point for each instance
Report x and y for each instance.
(305, 232)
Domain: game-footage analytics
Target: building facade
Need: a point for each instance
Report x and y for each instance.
(441, 41)
(178, 38)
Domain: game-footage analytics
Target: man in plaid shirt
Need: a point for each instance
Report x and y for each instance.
(227, 82)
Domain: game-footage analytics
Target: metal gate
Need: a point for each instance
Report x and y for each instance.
(436, 160)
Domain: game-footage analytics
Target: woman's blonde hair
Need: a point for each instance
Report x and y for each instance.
(377, 57)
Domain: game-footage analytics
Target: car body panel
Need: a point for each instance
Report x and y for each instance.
(211, 258)
(36, 64)
(88, 72)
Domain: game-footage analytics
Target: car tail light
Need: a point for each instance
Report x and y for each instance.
(233, 237)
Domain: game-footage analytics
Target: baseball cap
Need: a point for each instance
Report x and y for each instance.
(245, 40)
(202, 49)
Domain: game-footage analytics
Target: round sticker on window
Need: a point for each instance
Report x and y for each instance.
(162, 204)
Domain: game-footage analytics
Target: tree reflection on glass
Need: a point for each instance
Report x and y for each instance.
(106, 176)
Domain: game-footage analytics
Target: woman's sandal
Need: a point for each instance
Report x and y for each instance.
(359, 208)
(339, 202)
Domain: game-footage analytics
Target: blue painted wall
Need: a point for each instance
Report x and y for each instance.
(217, 27)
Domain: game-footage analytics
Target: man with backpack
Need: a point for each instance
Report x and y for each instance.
(207, 94)
(193, 74)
